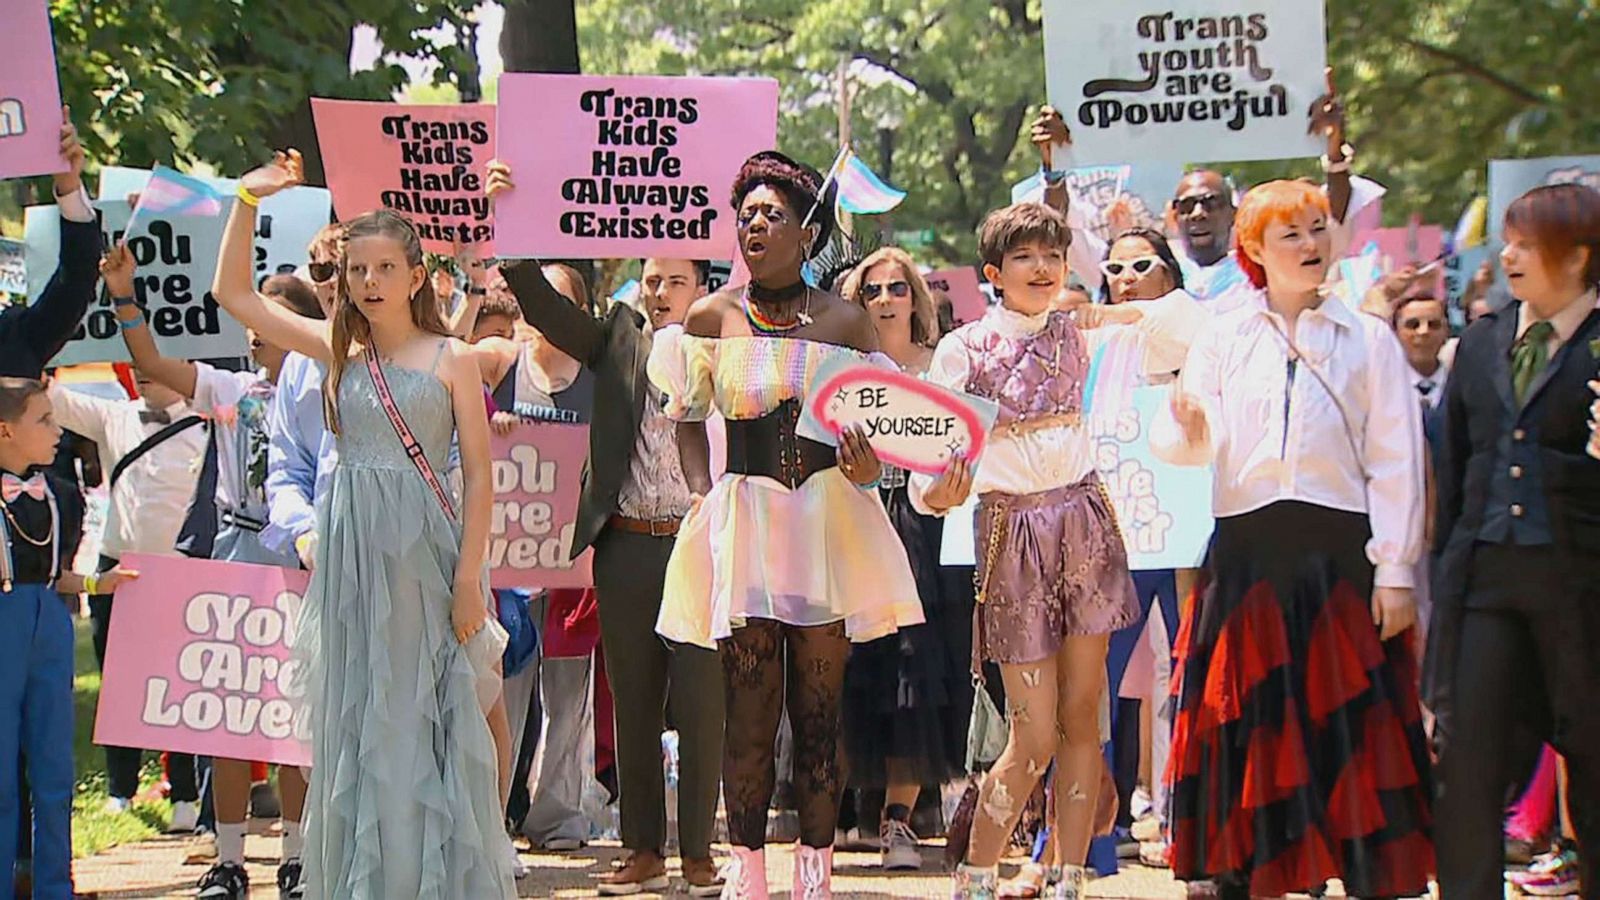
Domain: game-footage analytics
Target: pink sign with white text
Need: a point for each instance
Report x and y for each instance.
(538, 474)
(425, 162)
(967, 300)
(30, 95)
(199, 660)
(610, 166)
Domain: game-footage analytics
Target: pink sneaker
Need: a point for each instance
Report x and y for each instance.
(813, 873)
(745, 877)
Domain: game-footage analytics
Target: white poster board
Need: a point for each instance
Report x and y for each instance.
(1185, 80)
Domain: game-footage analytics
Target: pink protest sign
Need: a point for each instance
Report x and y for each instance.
(199, 661)
(538, 472)
(967, 300)
(424, 162)
(616, 166)
(30, 96)
(909, 422)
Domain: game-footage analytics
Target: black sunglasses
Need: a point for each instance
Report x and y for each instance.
(1212, 203)
(895, 289)
(322, 271)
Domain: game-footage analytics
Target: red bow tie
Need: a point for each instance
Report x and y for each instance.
(12, 487)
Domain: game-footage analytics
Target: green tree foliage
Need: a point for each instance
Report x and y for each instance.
(1434, 88)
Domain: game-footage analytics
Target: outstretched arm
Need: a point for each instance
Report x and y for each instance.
(235, 266)
(179, 374)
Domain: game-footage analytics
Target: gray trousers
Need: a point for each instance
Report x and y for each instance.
(564, 761)
(652, 680)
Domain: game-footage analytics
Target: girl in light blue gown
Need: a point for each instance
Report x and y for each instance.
(397, 659)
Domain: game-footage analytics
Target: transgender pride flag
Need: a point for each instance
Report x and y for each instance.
(172, 193)
(861, 191)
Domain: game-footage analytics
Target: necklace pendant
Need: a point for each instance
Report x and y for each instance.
(805, 318)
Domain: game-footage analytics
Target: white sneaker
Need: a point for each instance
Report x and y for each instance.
(116, 806)
(185, 816)
(899, 846)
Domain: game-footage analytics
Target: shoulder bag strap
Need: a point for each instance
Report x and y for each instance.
(1299, 356)
(171, 430)
(407, 439)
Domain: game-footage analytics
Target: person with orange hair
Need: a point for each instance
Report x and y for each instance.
(1516, 608)
(1298, 752)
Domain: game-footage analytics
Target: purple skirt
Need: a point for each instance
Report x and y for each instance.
(1050, 564)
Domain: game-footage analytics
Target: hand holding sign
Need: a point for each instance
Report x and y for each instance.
(952, 488)
(285, 171)
(1049, 130)
(72, 151)
(856, 457)
(907, 422)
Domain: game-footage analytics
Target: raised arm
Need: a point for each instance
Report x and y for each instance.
(1327, 120)
(233, 286)
(179, 374)
(48, 323)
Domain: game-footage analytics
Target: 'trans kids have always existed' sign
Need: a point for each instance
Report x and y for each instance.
(200, 660)
(627, 166)
(1185, 80)
(425, 162)
(537, 474)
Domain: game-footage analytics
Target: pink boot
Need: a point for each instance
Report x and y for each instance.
(745, 878)
(813, 873)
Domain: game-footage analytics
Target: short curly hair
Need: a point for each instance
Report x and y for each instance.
(799, 184)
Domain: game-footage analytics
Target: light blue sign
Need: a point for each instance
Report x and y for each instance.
(1164, 510)
(1511, 178)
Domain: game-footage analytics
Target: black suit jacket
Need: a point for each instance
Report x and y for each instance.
(1480, 412)
(615, 349)
(30, 336)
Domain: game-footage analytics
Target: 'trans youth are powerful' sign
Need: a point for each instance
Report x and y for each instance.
(627, 166)
(1185, 80)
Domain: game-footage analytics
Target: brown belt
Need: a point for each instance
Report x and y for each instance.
(652, 527)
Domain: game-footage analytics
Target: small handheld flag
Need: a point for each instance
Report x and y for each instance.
(1473, 228)
(172, 193)
(860, 191)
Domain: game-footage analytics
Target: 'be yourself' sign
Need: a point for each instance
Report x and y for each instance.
(627, 166)
(1185, 80)
(199, 659)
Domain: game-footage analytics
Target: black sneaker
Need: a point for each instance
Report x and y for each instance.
(225, 881)
(289, 885)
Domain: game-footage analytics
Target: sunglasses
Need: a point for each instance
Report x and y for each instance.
(1141, 265)
(895, 289)
(322, 271)
(1212, 203)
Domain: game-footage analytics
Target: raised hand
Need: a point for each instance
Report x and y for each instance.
(1048, 130)
(1120, 216)
(286, 170)
(498, 180)
(72, 151)
(1327, 115)
(117, 268)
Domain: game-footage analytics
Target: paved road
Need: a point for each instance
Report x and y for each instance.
(158, 869)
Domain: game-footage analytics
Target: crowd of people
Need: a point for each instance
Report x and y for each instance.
(1387, 641)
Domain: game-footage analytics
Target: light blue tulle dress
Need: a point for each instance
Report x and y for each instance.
(403, 798)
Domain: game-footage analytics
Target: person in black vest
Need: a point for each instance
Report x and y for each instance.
(31, 335)
(1516, 605)
(634, 497)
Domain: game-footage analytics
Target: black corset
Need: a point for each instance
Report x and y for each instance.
(768, 446)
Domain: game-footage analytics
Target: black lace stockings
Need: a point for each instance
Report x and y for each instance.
(768, 665)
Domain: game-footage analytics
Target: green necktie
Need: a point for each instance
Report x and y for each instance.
(1529, 356)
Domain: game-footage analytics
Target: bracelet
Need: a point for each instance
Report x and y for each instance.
(475, 291)
(91, 583)
(129, 324)
(120, 302)
(1052, 177)
(872, 485)
(247, 198)
(304, 541)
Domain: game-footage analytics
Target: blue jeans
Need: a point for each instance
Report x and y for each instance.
(36, 719)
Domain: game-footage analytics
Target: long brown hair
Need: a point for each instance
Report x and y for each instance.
(924, 317)
(349, 323)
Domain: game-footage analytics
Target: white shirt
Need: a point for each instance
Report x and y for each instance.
(1566, 322)
(1272, 439)
(1026, 463)
(1430, 388)
(150, 501)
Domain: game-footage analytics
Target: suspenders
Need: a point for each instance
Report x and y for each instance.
(8, 564)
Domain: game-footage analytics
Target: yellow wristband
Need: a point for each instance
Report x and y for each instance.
(304, 541)
(91, 583)
(247, 198)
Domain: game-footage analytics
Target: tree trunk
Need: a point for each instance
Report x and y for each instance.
(540, 36)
